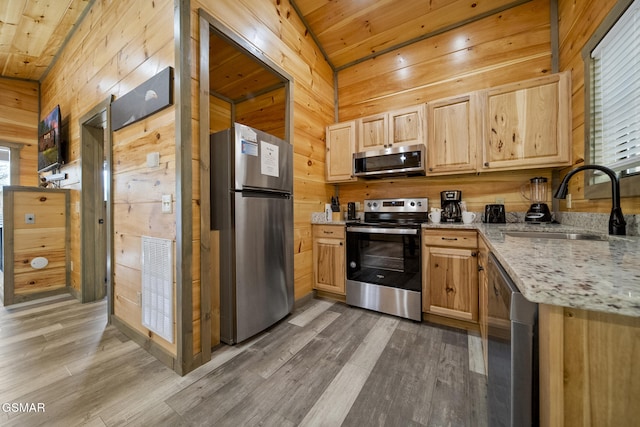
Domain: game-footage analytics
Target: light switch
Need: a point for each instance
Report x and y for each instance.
(29, 218)
(166, 203)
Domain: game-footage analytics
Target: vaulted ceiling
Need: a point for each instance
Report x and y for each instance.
(347, 31)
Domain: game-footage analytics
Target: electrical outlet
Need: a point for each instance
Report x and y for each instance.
(153, 160)
(29, 218)
(499, 200)
(71, 265)
(568, 199)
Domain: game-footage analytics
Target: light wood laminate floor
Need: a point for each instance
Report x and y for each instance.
(327, 364)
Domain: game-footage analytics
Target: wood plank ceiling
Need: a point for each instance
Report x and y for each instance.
(32, 32)
(347, 31)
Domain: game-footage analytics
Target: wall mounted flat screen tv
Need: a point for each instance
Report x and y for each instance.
(50, 145)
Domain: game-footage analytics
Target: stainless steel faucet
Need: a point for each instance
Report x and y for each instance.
(617, 224)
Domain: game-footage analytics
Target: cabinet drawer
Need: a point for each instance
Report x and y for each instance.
(450, 238)
(335, 231)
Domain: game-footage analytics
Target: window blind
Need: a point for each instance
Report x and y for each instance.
(615, 103)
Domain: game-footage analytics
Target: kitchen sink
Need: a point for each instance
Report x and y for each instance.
(556, 235)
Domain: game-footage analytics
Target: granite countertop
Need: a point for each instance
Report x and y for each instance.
(586, 274)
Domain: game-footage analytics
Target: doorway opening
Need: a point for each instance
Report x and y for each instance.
(96, 239)
(260, 96)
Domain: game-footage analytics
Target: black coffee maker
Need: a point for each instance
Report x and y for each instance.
(450, 204)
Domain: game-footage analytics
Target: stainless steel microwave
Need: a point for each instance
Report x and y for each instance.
(394, 161)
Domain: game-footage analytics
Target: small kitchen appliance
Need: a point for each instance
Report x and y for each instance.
(450, 204)
(351, 211)
(538, 211)
(494, 214)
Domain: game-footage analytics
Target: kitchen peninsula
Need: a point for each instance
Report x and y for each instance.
(588, 293)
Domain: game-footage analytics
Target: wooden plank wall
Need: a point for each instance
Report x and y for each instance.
(118, 46)
(505, 47)
(284, 40)
(19, 124)
(47, 237)
(265, 112)
(578, 21)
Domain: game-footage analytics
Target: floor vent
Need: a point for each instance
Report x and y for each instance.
(157, 286)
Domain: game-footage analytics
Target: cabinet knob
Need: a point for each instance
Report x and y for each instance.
(486, 164)
(480, 268)
(474, 254)
(340, 243)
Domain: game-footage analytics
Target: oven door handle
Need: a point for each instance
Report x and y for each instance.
(379, 230)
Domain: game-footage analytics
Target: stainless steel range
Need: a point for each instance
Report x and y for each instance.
(383, 257)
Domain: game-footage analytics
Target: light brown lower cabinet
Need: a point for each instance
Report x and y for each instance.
(329, 270)
(450, 273)
(589, 368)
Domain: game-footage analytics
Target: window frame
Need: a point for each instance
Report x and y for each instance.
(14, 159)
(629, 185)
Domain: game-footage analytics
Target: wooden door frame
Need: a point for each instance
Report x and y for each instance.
(209, 24)
(89, 217)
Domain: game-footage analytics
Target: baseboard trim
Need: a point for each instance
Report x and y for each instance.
(146, 343)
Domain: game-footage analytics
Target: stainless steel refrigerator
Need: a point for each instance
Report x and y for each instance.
(252, 208)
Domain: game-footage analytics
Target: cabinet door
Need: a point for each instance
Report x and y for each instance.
(406, 126)
(452, 277)
(328, 265)
(341, 139)
(528, 124)
(454, 125)
(373, 132)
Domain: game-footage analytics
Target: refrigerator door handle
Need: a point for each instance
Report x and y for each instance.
(264, 192)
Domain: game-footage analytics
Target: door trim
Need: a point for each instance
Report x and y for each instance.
(91, 291)
(209, 242)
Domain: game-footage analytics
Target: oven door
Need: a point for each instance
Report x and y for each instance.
(384, 256)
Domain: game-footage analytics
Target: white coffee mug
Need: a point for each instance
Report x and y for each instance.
(468, 217)
(435, 216)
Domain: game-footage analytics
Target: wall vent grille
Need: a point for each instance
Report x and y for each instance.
(157, 286)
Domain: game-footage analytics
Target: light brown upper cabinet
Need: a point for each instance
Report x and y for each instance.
(453, 128)
(396, 128)
(528, 124)
(341, 143)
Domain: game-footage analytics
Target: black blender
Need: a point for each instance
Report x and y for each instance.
(538, 211)
(450, 204)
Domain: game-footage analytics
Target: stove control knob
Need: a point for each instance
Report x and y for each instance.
(369, 204)
(412, 204)
(353, 264)
(375, 204)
